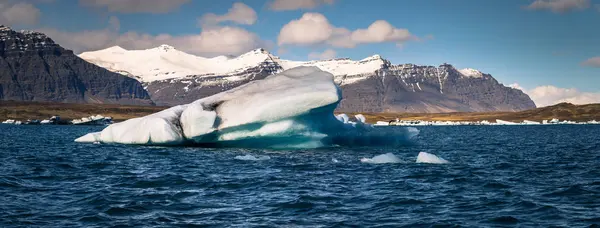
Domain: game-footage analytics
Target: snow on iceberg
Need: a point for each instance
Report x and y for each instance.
(381, 159)
(292, 109)
(424, 157)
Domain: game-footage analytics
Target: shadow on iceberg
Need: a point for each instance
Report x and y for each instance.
(292, 109)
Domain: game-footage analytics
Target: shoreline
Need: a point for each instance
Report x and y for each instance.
(20, 110)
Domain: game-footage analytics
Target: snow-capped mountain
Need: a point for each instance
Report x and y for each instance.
(166, 62)
(372, 84)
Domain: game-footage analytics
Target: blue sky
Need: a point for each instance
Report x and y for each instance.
(532, 43)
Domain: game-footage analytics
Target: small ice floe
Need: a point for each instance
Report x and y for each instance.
(89, 138)
(381, 159)
(424, 157)
(360, 118)
(342, 118)
(252, 158)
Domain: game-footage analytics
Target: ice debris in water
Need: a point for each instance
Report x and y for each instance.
(381, 159)
(252, 158)
(292, 109)
(342, 118)
(425, 157)
(360, 118)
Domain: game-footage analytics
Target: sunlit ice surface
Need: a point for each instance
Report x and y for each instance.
(292, 109)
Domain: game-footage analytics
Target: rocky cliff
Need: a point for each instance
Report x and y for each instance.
(412, 88)
(34, 68)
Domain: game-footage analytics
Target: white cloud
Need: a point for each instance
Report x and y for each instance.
(282, 5)
(327, 54)
(559, 6)
(239, 13)
(314, 28)
(18, 14)
(210, 42)
(381, 31)
(517, 86)
(550, 95)
(135, 6)
(592, 62)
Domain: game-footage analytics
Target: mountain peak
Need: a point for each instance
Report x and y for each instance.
(115, 48)
(259, 51)
(469, 72)
(371, 58)
(5, 28)
(165, 47)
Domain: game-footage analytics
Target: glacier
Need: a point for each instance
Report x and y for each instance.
(292, 109)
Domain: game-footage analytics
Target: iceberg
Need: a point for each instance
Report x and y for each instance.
(425, 157)
(382, 159)
(252, 158)
(292, 109)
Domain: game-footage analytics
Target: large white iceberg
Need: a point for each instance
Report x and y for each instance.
(292, 109)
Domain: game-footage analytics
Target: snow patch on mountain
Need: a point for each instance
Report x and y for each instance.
(471, 73)
(166, 62)
(343, 66)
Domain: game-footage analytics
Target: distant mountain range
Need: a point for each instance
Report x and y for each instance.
(34, 68)
(372, 84)
(40, 70)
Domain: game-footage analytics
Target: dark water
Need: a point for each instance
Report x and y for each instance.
(499, 176)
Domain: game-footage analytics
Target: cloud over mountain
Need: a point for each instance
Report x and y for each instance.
(284, 5)
(135, 6)
(227, 40)
(314, 29)
(559, 6)
(592, 62)
(550, 95)
(239, 13)
(327, 54)
(20, 13)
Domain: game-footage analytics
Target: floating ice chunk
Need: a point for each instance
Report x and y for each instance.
(412, 132)
(424, 157)
(342, 118)
(252, 158)
(89, 138)
(292, 109)
(361, 118)
(381, 159)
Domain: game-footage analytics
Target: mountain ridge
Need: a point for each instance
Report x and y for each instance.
(371, 84)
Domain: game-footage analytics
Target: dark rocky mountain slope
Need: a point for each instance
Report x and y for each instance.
(34, 68)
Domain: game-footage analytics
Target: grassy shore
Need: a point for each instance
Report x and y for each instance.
(42, 110)
(18, 110)
(563, 111)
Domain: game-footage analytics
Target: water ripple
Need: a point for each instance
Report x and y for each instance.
(536, 176)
